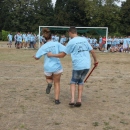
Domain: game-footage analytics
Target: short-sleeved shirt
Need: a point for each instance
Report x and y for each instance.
(26, 38)
(128, 41)
(62, 40)
(10, 37)
(31, 38)
(79, 49)
(125, 41)
(51, 64)
(100, 40)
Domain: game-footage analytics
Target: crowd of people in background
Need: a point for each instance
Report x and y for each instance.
(111, 44)
(115, 44)
(25, 40)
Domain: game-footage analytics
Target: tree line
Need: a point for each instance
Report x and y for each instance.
(28, 15)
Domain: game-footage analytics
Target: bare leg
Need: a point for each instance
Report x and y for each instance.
(49, 80)
(72, 89)
(56, 78)
(80, 90)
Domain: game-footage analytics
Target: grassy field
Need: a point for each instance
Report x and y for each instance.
(24, 105)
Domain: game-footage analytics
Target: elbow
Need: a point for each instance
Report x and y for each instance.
(61, 56)
(36, 58)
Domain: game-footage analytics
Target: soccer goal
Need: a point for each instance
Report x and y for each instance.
(100, 31)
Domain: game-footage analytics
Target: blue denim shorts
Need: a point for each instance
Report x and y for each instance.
(78, 76)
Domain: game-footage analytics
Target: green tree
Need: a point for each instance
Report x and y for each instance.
(60, 14)
(125, 17)
(4, 14)
(70, 12)
(25, 15)
(103, 14)
(44, 13)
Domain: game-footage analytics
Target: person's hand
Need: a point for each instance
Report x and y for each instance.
(49, 54)
(95, 63)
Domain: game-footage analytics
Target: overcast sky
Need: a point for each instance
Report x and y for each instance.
(53, 1)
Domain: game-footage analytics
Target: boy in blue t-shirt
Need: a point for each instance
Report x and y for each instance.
(10, 37)
(79, 49)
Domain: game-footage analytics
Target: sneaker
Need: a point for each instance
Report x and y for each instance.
(57, 102)
(48, 89)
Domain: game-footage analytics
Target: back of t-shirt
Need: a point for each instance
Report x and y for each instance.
(79, 49)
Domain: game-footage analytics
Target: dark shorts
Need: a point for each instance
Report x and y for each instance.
(78, 76)
(18, 42)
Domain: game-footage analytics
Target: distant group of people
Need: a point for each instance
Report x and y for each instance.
(29, 40)
(115, 44)
(62, 39)
(25, 40)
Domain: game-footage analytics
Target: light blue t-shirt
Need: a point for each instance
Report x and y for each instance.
(24, 35)
(79, 49)
(28, 35)
(128, 41)
(62, 40)
(26, 38)
(20, 38)
(125, 41)
(10, 37)
(31, 38)
(51, 64)
(100, 40)
(56, 39)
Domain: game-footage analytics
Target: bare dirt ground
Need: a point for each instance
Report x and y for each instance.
(24, 105)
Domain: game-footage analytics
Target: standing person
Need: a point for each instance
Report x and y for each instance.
(19, 40)
(26, 41)
(52, 66)
(100, 43)
(29, 37)
(23, 39)
(109, 41)
(125, 44)
(15, 39)
(10, 37)
(128, 44)
(35, 40)
(62, 40)
(32, 41)
(79, 49)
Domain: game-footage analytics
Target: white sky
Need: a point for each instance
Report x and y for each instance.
(53, 1)
(120, 2)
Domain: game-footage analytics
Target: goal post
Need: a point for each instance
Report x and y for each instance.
(102, 31)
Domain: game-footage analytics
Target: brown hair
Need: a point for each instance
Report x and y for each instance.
(73, 30)
(46, 33)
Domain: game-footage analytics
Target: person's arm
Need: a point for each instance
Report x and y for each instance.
(94, 57)
(60, 55)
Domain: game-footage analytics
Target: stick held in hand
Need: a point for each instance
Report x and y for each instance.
(95, 65)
